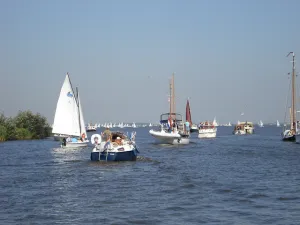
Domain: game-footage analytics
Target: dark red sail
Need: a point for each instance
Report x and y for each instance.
(188, 116)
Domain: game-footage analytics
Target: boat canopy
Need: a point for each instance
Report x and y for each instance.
(175, 116)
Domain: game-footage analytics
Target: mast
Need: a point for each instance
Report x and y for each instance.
(293, 108)
(78, 111)
(173, 94)
(171, 97)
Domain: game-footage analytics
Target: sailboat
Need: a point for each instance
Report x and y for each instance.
(172, 129)
(260, 124)
(215, 123)
(68, 120)
(290, 134)
(188, 117)
(277, 124)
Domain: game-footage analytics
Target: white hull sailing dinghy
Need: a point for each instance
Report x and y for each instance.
(118, 148)
(68, 120)
(172, 129)
(207, 130)
(260, 124)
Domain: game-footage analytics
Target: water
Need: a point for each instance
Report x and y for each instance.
(228, 180)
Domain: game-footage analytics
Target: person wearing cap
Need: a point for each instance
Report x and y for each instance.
(107, 134)
(118, 141)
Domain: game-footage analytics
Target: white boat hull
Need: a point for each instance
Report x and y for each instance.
(75, 144)
(162, 137)
(207, 133)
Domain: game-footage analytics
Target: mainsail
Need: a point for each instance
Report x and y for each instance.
(188, 116)
(66, 119)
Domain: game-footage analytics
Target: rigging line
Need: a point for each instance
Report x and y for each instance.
(287, 100)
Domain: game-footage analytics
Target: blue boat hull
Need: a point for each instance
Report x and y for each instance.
(114, 156)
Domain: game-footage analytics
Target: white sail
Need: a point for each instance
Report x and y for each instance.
(66, 120)
(215, 123)
(82, 124)
(278, 124)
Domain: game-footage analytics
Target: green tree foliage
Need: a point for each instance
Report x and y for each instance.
(25, 125)
(2, 133)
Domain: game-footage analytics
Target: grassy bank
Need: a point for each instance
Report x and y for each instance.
(24, 126)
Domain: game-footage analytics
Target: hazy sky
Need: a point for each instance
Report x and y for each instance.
(228, 57)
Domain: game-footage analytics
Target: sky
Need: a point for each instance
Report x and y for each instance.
(228, 57)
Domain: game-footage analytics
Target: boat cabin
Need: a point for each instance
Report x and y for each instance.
(244, 126)
(206, 125)
(170, 121)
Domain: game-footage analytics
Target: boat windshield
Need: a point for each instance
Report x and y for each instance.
(174, 116)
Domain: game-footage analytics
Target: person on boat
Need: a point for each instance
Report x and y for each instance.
(118, 140)
(106, 134)
(69, 139)
(82, 137)
(187, 127)
(174, 125)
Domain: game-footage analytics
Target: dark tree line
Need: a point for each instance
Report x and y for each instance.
(24, 126)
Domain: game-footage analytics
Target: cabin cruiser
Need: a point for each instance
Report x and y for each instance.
(207, 130)
(172, 130)
(244, 128)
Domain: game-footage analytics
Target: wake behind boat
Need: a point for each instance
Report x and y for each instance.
(118, 147)
(68, 120)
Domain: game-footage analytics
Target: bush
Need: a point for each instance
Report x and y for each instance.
(2, 133)
(25, 125)
(23, 134)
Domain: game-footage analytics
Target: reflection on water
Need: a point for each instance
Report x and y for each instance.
(231, 179)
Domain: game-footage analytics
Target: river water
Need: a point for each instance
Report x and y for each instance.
(231, 179)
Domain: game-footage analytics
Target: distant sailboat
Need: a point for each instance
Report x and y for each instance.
(277, 124)
(215, 123)
(188, 117)
(260, 124)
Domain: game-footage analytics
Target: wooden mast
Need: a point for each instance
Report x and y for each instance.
(173, 95)
(293, 108)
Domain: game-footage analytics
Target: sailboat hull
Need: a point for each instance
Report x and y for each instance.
(75, 144)
(288, 136)
(114, 156)
(169, 138)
